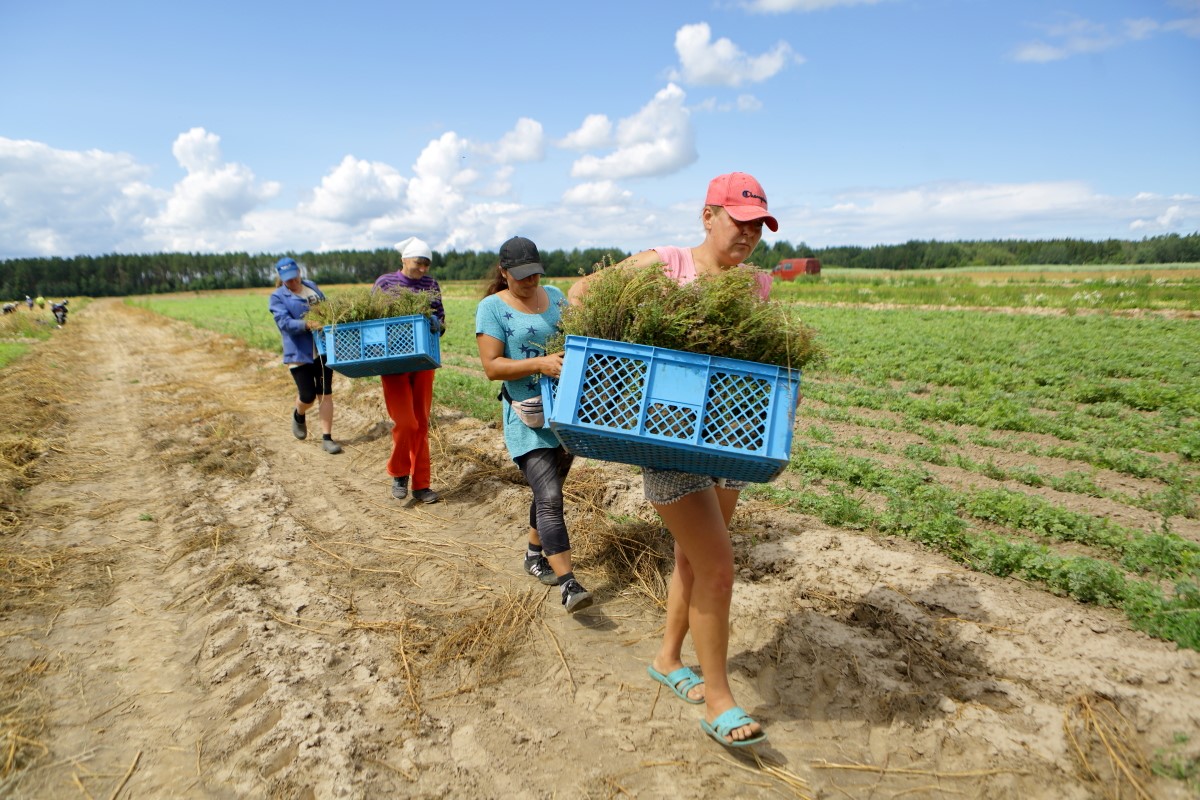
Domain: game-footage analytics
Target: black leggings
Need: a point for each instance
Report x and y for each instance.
(545, 470)
(313, 379)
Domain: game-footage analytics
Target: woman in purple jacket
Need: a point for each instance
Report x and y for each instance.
(314, 381)
(409, 395)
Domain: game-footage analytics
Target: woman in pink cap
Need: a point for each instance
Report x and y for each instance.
(697, 508)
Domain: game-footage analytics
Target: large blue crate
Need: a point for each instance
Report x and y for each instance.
(654, 407)
(381, 346)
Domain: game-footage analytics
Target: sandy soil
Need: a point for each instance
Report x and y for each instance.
(240, 614)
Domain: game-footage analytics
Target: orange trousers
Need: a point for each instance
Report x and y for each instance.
(409, 398)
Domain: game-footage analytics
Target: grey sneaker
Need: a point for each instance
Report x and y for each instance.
(540, 568)
(575, 597)
(400, 487)
(299, 426)
(426, 495)
(330, 446)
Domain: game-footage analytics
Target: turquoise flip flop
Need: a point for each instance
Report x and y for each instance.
(728, 722)
(681, 681)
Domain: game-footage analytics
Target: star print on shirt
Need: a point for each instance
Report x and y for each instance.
(532, 330)
(530, 352)
(534, 386)
(509, 331)
(508, 315)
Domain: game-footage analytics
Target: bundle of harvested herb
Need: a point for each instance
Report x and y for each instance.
(715, 315)
(361, 305)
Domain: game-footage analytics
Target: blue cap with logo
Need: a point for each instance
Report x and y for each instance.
(287, 269)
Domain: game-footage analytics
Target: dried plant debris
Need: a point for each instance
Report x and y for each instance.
(488, 637)
(1105, 743)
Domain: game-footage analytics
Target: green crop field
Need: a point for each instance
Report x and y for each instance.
(1038, 423)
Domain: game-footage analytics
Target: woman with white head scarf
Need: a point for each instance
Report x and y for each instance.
(408, 396)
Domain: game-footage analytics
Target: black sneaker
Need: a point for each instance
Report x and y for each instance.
(575, 597)
(299, 426)
(400, 487)
(426, 495)
(540, 568)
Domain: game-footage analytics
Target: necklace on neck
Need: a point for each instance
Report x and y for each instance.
(703, 267)
(537, 301)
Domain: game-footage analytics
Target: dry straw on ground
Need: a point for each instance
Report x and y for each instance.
(1105, 743)
(488, 636)
(629, 554)
(32, 398)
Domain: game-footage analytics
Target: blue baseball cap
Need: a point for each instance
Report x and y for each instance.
(287, 269)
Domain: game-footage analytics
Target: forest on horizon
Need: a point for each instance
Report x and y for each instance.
(116, 275)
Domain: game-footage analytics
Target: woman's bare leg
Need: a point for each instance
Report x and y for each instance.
(679, 597)
(325, 412)
(698, 525)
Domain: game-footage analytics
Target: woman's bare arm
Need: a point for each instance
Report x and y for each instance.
(499, 368)
(580, 287)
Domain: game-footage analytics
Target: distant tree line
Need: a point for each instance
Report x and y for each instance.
(119, 275)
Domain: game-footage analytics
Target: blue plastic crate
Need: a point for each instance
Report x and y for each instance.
(381, 346)
(669, 409)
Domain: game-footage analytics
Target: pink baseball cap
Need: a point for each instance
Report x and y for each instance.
(742, 197)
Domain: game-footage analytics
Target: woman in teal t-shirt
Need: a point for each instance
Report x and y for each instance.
(512, 324)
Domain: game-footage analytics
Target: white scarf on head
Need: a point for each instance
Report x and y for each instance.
(412, 247)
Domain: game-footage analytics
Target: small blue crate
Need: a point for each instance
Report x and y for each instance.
(654, 407)
(381, 346)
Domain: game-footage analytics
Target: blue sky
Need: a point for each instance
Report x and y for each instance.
(268, 127)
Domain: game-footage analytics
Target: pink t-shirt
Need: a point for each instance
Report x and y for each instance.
(678, 264)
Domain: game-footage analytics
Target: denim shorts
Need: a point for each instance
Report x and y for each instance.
(665, 486)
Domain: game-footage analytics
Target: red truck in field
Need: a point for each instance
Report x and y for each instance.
(789, 268)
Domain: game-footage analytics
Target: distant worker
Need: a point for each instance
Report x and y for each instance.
(60, 312)
(29, 302)
(41, 302)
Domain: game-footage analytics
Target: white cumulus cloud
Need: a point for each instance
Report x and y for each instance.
(210, 201)
(525, 142)
(706, 62)
(657, 140)
(435, 191)
(594, 133)
(1181, 214)
(64, 202)
(356, 189)
(599, 193)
